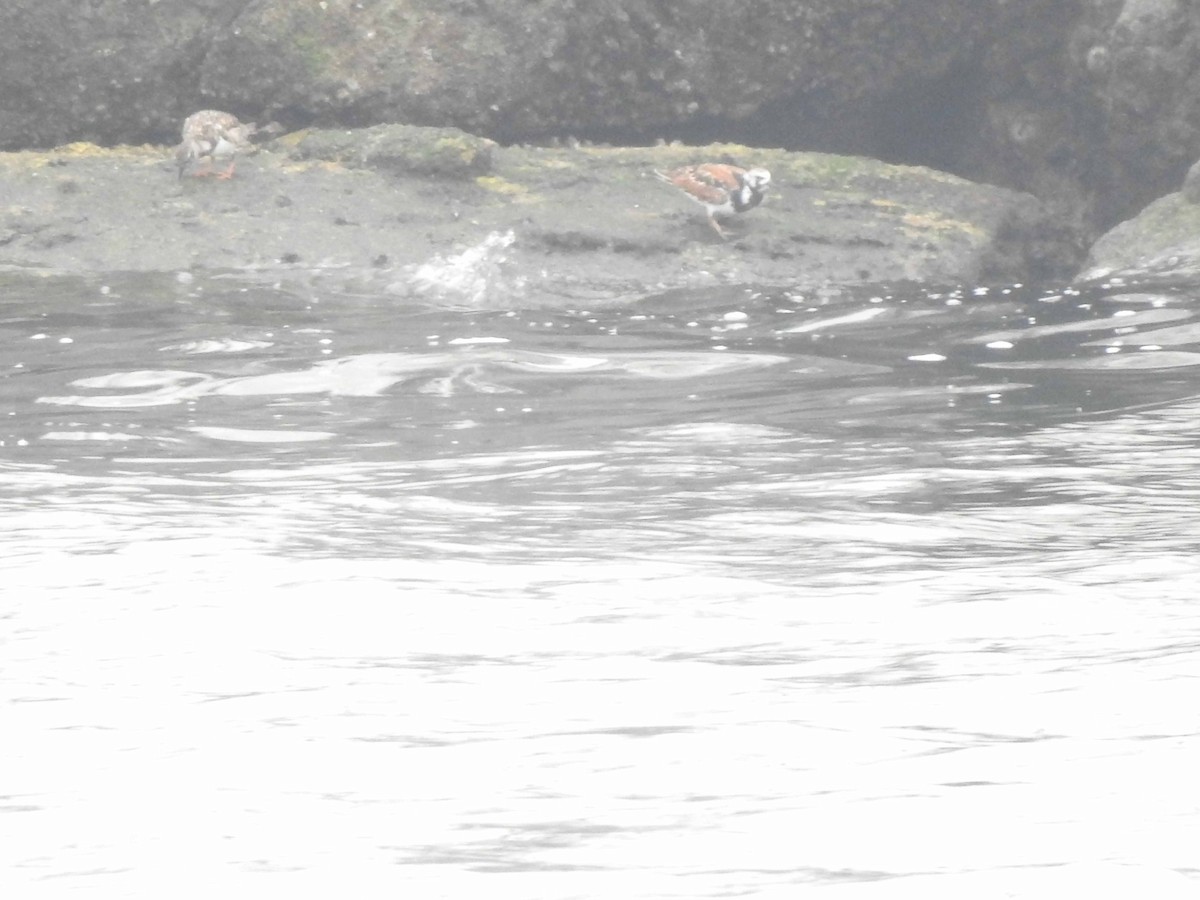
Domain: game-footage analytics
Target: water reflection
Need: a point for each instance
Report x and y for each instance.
(731, 592)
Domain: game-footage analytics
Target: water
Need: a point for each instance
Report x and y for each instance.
(445, 591)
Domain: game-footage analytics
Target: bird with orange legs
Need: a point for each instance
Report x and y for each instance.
(208, 136)
(720, 188)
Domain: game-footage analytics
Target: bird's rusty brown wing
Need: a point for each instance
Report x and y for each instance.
(709, 183)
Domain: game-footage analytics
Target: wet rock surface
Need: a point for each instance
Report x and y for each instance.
(1160, 245)
(592, 221)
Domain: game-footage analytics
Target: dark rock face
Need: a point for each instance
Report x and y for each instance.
(1091, 105)
(1138, 58)
(509, 68)
(104, 70)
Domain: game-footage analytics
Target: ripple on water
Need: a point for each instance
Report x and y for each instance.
(300, 584)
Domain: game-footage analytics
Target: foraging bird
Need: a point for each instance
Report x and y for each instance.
(211, 135)
(721, 189)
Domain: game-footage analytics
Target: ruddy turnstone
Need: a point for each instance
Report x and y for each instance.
(211, 135)
(721, 189)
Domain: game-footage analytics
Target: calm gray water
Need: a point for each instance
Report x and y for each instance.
(728, 593)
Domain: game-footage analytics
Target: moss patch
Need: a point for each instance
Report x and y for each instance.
(502, 186)
(402, 149)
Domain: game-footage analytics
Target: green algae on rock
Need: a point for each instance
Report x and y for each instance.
(400, 149)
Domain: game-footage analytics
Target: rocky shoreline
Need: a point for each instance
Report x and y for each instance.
(1088, 109)
(585, 220)
(1087, 106)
